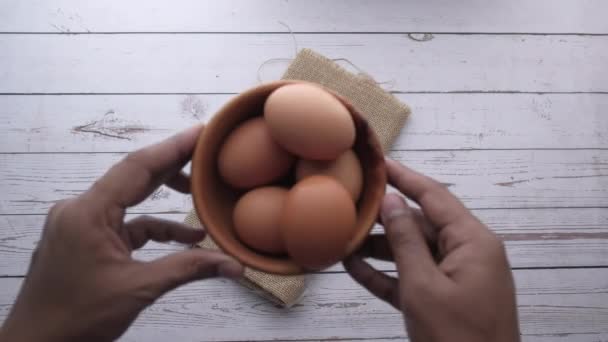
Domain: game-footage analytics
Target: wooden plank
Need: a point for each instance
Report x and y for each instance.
(544, 16)
(31, 183)
(220, 63)
(120, 123)
(20, 235)
(552, 303)
(534, 238)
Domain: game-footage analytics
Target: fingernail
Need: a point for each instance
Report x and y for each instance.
(393, 206)
(230, 269)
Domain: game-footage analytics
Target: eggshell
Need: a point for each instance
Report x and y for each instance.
(309, 122)
(318, 221)
(250, 157)
(346, 169)
(256, 219)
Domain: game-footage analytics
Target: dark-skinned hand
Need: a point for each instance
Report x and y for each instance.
(83, 284)
(454, 281)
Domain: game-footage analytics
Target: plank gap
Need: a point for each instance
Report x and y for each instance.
(400, 92)
(438, 33)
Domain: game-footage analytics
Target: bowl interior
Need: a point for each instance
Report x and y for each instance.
(214, 200)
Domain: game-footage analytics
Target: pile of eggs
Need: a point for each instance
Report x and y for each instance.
(300, 178)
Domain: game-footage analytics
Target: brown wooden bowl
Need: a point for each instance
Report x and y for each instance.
(214, 200)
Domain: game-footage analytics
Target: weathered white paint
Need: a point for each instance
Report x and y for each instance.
(555, 305)
(534, 238)
(119, 123)
(544, 16)
(551, 302)
(31, 183)
(229, 63)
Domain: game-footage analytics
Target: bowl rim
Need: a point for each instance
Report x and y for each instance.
(265, 263)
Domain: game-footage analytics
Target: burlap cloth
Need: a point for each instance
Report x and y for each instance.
(383, 111)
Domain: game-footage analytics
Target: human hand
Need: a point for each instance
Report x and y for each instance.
(82, 283)
(454, 282)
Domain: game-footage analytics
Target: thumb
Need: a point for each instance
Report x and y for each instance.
(169, 272)
(412, 255)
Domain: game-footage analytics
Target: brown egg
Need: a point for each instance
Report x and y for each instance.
(250, 157)
(256, 219)
(318, 221)
(346, 169)
(309, 122)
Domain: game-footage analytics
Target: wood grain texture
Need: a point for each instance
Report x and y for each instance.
(489, 52)
(552, 303)
(121, 123)
(221, 63)
(305, 16)
(31, 183)
(534, 238)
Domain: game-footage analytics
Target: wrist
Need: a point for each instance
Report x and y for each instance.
(8, 332)
(31, 329)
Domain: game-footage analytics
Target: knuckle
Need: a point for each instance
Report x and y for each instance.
(175, 277)
(59, 218)
(60, 210)
(425, 196)
(183, 153)
(495, 244)
(136, 162)
(399, 218)
(468, 219)
(418, 287)
(55, 208)
(99, 186)
(491, 241)
(433, 186)
(68, 214)
(190, 269)
(405, 235)
(401, 239)
(401, 178)
(35, 255)
(141, 219)
(495, 241)
(133, 157)
(432, 191)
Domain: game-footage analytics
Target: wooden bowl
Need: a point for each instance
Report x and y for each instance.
(214, 200)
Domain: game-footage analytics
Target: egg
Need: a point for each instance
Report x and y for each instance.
(318, 221)
(346, 169)
(256, 219)
(250, 157)
(309, 122)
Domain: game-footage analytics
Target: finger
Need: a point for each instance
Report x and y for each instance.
(428, 230)
(145, 228)
(376, 246)
(141, 172)
(167, 273)
(438, 204)
(410, 250)
(376, 282)
(181, 183)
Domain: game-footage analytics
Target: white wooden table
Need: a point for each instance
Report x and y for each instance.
(510, 108)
